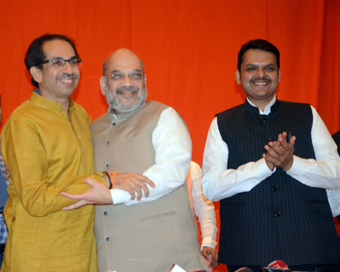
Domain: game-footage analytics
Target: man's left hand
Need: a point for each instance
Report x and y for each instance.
(98, 194)
(211, 255)
(280, 153)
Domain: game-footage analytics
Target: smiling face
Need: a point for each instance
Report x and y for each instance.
(259, 76)
(124, 81)
(57, 83)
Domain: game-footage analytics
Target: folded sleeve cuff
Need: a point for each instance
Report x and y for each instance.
(119, 196)
(208, 242)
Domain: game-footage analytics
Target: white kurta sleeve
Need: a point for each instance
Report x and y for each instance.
(218, 182)
(334, 201)
(172, 144)
(204, 208)
(324, 171)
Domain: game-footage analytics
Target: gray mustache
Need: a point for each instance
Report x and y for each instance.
(127, 88)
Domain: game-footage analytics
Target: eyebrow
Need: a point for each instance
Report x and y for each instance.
(74, 57)
(58, 57)
(133, 70)
(255, 64)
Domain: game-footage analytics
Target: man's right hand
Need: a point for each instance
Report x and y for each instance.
(280, 153)
(211, 255)
(98, 194)
(132, 183)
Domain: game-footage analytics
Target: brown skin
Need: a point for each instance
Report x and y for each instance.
(259, 76)
(53, 83)
(100, 194)
(123, 61)
(211, 255)
(133, 183)
(280, 153)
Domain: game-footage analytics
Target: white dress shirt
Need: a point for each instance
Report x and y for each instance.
(218, 182)
(172, 144)
(202, 207)
(334, 201)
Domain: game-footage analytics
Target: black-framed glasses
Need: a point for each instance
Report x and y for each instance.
(134, 75)
(60, 62)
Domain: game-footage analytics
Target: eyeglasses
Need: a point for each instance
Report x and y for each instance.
(60, 62)
(132, 75)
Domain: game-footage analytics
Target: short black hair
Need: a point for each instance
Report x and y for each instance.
(35, 54)
(258, 44)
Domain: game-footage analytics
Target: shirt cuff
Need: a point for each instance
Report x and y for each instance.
(261, 169)
(119, 196)
(208, 242)
(297, 168)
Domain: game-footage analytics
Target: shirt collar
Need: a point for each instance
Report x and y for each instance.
(120, 117)
(267, 109)
(43, 102)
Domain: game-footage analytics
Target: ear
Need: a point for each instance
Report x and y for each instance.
(36, 74)
(102, 83)
(279, 76)
(144, 79)
(238, 77)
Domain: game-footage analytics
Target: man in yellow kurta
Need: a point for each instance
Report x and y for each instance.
(47, 146)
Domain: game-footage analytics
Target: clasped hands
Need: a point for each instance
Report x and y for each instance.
(100, 194)
(280, 152)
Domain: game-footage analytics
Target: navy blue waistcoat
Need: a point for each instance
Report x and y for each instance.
(280, 218)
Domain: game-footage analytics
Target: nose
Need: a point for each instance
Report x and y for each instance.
(68, 68)
(127, 81)
(260, 72)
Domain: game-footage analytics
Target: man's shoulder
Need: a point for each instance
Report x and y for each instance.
(232, 110)
(79, 109)
(151, 107)
(238, 108)
(99, 120)
(293, 109)
(155, 105)
(160, 110)
(22, 111)
(293, 104)
(152, 110)
(24, 114)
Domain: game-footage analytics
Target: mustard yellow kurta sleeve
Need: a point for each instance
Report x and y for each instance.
(48, 153)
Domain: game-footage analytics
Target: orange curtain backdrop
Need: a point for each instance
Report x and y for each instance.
(189, 48)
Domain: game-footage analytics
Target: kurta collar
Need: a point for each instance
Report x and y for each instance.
(43, 102)
(120, 117)
(272, 107)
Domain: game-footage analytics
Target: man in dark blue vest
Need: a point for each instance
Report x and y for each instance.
(269, 162)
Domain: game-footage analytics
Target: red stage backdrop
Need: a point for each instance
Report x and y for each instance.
(189, 48)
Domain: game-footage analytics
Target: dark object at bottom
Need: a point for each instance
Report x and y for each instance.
(2, 249)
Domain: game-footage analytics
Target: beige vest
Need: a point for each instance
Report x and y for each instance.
(146, 237)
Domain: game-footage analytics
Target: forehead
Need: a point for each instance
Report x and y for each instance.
(58, 48)
(258, 57)
(124, 61)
